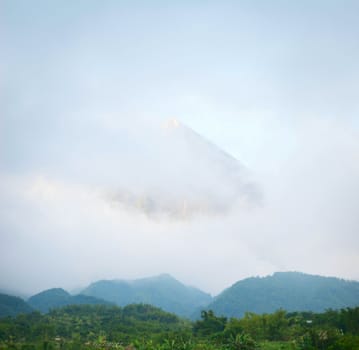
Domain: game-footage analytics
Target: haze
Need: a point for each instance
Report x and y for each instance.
(87, 88)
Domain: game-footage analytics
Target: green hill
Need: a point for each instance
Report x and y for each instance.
(58, 297)
(12, 306)
(292, 291)
(161, 291)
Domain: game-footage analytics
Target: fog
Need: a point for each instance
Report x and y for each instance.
(210, 141)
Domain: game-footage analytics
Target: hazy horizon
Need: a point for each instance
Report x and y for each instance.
(75, 290)
(261, 174)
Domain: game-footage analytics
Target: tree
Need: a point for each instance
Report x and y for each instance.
(242, 342)
(209, 324)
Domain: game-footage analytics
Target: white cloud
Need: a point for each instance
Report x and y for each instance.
(85, 93)
(68, 233)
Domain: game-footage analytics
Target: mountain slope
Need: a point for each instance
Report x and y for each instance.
(57, 297)
(192, 177)
(12, 306)
(292, 291)
(162, 291)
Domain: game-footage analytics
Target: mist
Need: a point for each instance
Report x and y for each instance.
(212, 142)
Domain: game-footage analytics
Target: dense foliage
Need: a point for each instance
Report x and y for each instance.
(11, 306)
(144, 327)
(292, 291)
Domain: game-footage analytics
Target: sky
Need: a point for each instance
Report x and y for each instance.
(86, 90)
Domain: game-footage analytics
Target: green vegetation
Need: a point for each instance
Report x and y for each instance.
(292, 291)
(11, 306)
(144, 327)
(84, 322)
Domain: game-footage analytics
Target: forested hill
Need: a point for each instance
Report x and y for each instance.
(57, 297)
(162, 291)
(292, 291)
(11, 306)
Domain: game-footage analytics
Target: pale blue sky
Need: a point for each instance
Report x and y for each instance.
(218, 66)
(274, 83)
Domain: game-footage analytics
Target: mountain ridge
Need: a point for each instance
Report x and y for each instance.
(58, 297)
(290, 290)
(162, 291)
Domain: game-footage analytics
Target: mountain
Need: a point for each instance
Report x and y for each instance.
(162, 291)
(12, 306)
(292, 291)
(186, 176)
(58, 297)
(14, 293)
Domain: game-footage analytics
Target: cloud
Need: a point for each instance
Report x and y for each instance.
(70, 234)
(86, 222)
(185, 176)
(60, 232)
(81, 145)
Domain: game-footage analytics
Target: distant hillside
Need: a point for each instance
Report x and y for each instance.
(12, 306)
(162, 291)
(57, 297)
(292, 291)
(14, 293)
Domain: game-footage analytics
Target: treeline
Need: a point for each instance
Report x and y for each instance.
(89, 322)
(144, 327)
(303, 330)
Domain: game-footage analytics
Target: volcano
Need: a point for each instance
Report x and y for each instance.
(184, 175)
